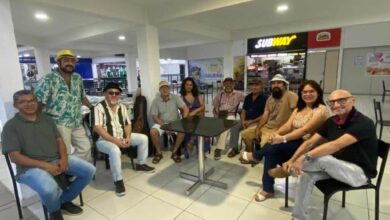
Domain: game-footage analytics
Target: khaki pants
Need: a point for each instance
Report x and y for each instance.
(76, 141)
(265, 134)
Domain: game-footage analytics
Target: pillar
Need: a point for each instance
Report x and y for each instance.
(228, 59)
(131, 69)
(42, 58)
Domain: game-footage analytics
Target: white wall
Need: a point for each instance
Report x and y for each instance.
(367, 35)
(215, 50)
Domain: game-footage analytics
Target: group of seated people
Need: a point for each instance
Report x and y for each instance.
(294, 131)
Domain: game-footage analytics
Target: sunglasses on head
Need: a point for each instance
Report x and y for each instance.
(113, 93)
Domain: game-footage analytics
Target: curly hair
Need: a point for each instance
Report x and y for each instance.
(195, 90)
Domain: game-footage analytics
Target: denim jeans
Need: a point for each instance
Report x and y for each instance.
(114, 153)
(274, 155)
(324, 168)
(50, 193)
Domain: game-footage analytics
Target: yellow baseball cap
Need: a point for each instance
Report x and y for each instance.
(65, 53)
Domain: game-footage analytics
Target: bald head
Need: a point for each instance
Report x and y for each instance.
(339, 93)
(341, 102)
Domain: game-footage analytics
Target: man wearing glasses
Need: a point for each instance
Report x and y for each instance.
(33, 143)
(61, 94)
(111, 122)
(344, 148)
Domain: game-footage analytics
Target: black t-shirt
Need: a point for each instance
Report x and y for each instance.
(254, 109)
(364, 152)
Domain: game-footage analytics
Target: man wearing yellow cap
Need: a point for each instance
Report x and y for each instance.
(61, 94)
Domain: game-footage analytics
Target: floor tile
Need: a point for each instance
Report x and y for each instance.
(254, 211)
(88, 213)
(216, 204)
(151, 209)
(187, 216)
(110, 205)
(384, 201)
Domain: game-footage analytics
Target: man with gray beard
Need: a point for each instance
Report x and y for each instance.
(60, 94)
(278, 109)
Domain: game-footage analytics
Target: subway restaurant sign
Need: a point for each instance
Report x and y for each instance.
(285, 42)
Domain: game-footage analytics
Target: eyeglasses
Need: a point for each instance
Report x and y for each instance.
(340, 101)
(113, 93)
(24, 102)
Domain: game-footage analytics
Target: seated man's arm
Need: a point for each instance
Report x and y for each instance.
(184, 111)
(157, 120)
(261, 123)
(63, 162)
(22, 160)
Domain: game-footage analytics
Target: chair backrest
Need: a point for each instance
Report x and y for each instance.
(383, 152)
(378, 111)
(384, 86)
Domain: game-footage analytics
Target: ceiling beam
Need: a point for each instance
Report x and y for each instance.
(114, 9)
(178, 9)
(87, 31)
(198, 29)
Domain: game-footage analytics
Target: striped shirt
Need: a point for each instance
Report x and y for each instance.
(113, 126)
(228, 102)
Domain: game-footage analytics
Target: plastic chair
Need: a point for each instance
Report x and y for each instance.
(378, 117)
(16, 192)
(331, 186)
(384, 90)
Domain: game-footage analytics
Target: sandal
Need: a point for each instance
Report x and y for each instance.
(176, 158)
(263, 195)
(244, 158)
(157, 158)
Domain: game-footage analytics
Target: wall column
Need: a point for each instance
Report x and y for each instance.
(228, 59)
(42, 58)
(131, 69)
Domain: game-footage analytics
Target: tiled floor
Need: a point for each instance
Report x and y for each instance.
(162, 195)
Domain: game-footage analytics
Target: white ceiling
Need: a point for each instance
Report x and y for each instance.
(92, 27)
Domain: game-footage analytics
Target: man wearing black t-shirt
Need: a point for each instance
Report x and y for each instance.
(344, 148)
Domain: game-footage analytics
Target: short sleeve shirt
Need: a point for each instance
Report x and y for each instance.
(34, 139)
(228, 102)
(280, 109)
(362, 153)
(60, 103)
(101, 119)
(253, 109)
(167, 110)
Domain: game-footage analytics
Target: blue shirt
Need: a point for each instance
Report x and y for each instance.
(254, 109)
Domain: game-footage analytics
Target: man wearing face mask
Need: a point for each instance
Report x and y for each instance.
(61, 94)
(278, 108)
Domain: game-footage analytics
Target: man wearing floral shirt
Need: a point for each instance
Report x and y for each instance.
(61, 94)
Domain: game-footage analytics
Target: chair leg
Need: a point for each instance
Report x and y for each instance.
(343, 200)
(286, 194)
(380, 131)
(326, 201)
(107, 162)
(376, 204)
(17, 199)
(45, 213)
(81, 199)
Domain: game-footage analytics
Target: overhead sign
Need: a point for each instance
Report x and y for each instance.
(324, 38)
(286, 42)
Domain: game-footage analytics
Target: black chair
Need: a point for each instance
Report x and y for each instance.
(16, 192)
(131, 151)
(384, 90)
(378, 117)
(331, 186)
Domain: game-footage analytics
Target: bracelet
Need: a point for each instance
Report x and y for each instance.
(284, 139)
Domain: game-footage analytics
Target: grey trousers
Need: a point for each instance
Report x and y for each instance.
(324, 168)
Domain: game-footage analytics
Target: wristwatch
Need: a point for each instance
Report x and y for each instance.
(308, 157)
(284, 140)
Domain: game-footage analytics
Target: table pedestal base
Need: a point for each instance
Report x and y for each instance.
(199, 182)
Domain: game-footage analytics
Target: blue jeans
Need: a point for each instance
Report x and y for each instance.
(274, 155)
(114, 153)
(51, 195)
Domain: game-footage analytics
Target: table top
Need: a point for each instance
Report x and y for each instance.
(200, 125)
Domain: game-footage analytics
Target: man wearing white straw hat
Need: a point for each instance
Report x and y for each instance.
(278, 108)
(61, 94)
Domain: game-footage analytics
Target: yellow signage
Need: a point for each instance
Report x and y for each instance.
(275, 41)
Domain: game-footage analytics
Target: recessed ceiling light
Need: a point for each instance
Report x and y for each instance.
(41, 16)
(282, 8)
(78, 56)
(122, 37)
(26, 55)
